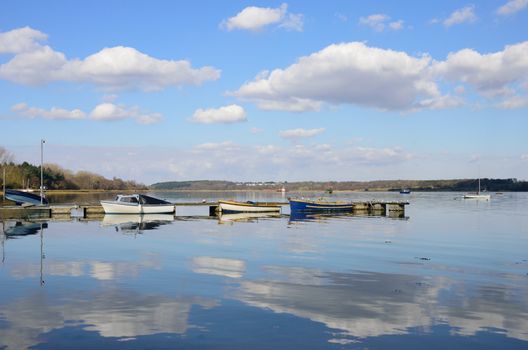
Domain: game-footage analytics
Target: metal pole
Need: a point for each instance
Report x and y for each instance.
(4, 183)
(42, 141)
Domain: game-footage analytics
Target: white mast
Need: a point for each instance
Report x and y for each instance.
(42, 141)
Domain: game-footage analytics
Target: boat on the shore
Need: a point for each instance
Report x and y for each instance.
(478, 195)
(307, 205)
(25, 198)
(247, 207)
(405, 191)
(137, 204)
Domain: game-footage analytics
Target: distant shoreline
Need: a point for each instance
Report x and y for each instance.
(453, 185)
(89, 192)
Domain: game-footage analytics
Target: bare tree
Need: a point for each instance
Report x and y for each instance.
(5, 156)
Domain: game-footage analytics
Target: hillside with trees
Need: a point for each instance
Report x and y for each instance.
(27, 175)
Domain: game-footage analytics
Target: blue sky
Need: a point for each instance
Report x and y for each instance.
(252, 90)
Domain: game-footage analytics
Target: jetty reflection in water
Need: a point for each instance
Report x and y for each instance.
(453, 276)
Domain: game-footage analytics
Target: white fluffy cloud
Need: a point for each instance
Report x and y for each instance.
(396, 25)
(227, 114)
(109, 111)
(350, 73)
(512, 6)
(126, 68)
(463, 15)
(20, 40)
(376, 21)
(103, 112)
(115, 68)
(441, 102)
(514, 102)
(300, 133)
(256, 18)
(54, 113)
(354, 73)
(380, 21)
(491, 74)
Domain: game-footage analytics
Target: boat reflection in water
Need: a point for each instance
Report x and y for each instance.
(135, 223)
(15, 229)
(245, 217)
(18, 229)
(299, 216)
(307, 216)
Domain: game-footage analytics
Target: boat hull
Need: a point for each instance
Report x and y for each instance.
(483, 197)
(241, 207)
(21, 197)
(112, 207)
(304, 205)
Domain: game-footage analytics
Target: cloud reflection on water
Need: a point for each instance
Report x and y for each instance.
(231, 268)
(101, 270)
(110, 312)
(370, 304)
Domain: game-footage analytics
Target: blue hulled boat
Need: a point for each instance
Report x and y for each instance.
(21, 197)
(306, 205)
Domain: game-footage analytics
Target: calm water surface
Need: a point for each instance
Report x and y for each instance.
(451, 274)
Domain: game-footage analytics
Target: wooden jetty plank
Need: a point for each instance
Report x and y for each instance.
(15, 212)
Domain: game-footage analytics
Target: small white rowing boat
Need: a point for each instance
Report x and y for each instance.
(137, 204)
(247, 207)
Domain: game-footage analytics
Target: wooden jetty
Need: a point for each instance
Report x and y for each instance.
(65, 211)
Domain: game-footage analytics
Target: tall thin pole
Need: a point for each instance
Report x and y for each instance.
(42, 141)
(4, 183)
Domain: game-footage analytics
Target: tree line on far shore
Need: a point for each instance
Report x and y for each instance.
(25, 175)
(467, 185)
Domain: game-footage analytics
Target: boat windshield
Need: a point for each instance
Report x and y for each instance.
(128, 199)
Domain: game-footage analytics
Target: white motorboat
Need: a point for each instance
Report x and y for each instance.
(137, 204)
(247, 207)
(478, 195)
